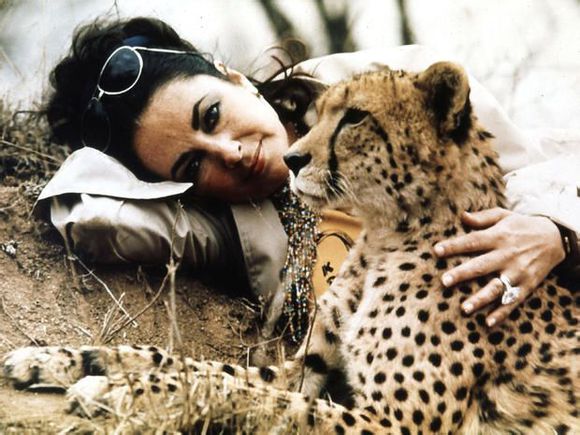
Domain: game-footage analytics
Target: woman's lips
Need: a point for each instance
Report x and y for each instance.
(258, 162)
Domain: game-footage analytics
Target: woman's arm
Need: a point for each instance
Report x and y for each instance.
(111, 230)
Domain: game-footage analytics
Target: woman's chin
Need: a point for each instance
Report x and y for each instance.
(273, 181)
(257, 187)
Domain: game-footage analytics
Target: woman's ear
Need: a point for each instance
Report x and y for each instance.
(236, 77)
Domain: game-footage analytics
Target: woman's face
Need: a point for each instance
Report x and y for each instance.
(215, 133)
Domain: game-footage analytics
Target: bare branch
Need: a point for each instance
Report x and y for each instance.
(282, 26)
(118, 302)
(337, 28)
(51, 159)
(407, 35)
(140, 312)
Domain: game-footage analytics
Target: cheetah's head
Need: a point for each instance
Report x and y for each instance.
(385, 141)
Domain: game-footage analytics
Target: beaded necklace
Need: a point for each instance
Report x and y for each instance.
(300, 224)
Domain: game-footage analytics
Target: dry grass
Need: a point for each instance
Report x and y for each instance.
(26, 153)
(208, 403)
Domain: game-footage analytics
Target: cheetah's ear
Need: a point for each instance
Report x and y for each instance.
(447, 87)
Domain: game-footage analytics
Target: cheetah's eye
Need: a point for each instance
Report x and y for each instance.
(354, 116)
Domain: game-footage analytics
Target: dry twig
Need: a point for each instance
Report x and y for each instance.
(10, 63)
(107, 289)
(172, 267)
(303, 370)
(139, 313)
(53, 160)
(6, 340)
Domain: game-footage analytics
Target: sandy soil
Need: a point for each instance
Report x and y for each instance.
(43, 301)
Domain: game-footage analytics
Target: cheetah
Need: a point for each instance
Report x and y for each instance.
(406, 153)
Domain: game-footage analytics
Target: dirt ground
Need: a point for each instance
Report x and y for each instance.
(45, 299)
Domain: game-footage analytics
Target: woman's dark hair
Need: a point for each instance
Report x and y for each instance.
(74, 82)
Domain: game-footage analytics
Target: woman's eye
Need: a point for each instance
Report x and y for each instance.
(191, 171)
(211, 117)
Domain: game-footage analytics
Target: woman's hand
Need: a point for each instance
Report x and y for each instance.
(522, 248)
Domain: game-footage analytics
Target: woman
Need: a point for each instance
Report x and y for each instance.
(184, 158)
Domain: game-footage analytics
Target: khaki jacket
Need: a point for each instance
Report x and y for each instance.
(108, 215)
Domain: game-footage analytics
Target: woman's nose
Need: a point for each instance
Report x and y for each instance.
(230, 152)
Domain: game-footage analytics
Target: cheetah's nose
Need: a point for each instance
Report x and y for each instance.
(296, 161)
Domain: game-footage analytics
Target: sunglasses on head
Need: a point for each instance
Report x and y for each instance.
(119, 74)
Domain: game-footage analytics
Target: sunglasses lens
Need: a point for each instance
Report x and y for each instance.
(95, 126)
(121, 71)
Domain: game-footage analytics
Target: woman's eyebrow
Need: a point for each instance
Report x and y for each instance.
(178, 164)
(195, 115)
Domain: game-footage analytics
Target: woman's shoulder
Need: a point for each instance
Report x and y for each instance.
(90, 171)
(339, 66)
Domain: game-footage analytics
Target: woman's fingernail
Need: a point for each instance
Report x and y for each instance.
(468, 307)
(491, 322)
(447, 279)
(439, 250)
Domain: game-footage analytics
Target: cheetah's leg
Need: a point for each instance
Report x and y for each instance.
(54, 366)
(51, 366)
(60, 367)
(191, 399)
(321, 350)
(91, 373)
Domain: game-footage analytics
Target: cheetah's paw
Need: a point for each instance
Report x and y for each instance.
(41, 368)
(88, 397)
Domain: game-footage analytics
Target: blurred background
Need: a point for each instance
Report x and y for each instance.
(527, 52)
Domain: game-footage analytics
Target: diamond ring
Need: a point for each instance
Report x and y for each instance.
(510, 293)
